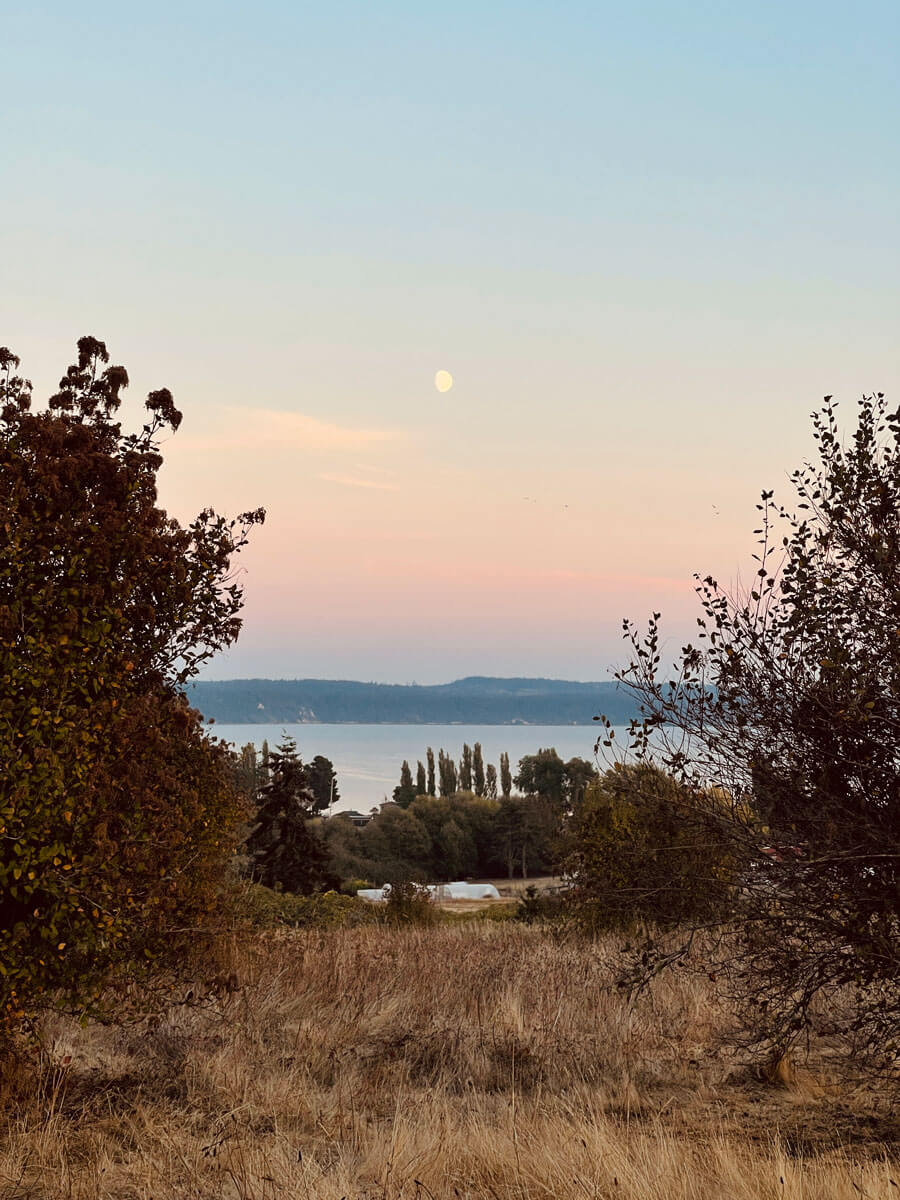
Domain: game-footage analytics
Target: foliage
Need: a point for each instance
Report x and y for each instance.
(526, 833)
(644, 850)
(265, 908)
(542, 908)
(542, 774)
(448, 779)
(490, 782)
(446, 837)
(465, 768)
(248, 772)
(405, 792)
(283, 849)
(322, 783)
(505, 776)
(116, 810)
(561, 783)
(790, 706)
(408, 903)
(478, 779)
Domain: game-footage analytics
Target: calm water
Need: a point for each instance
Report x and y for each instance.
(367, 758)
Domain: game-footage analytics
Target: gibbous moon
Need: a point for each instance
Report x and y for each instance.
(443, 381)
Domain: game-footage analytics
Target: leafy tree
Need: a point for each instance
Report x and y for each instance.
(421, 785)
(525, 834)
(477, 770)
(644, 849)
(322, 783)
(247, 771)
(429, 754)
(543, 774)
(282, 848)
(456, 850)
(506, 782)
(264, 762)
(346, 849)
(405, 792)
(447, 777)
(789, 709)
(398, 845)
(465, 769)
(490, 786)
(117, 811)
(579, 774)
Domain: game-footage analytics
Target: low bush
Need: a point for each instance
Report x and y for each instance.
(264, 908)
(349, 887)
(535, 907)
(409, 903)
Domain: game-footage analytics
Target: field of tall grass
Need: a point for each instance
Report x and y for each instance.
(457, 1061)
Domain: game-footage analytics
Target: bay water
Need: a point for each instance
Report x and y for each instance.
(367, 758)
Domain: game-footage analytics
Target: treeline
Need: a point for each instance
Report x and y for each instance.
(455, 826)
(544, 774)
(475, 700)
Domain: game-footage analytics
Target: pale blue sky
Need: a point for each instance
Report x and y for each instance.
(645, 239)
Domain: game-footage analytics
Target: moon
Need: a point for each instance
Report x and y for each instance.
(443, 381)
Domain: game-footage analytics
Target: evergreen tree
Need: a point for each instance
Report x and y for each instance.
(405, 792)
(465, 769)
(322, 783)
(478, 770)
(490, 786)
(420, 779)
(264, 763)
(505, 776)
(283, 848)
(429, 754)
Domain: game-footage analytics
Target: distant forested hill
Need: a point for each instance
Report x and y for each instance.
(473, 701)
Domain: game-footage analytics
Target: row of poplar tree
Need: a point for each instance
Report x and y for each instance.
(544, 773)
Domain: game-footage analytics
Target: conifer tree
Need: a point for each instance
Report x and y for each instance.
(283, 848)
(405, 792)
(322, 782)
(420, 778)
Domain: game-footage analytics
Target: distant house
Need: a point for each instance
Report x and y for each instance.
(356, 818)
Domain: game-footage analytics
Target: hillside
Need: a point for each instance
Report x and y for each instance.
(476, 700)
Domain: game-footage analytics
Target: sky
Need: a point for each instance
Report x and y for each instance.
(644, 239)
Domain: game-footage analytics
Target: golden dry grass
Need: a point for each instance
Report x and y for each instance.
(460, 1061)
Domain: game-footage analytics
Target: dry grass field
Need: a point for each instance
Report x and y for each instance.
(474, 1060)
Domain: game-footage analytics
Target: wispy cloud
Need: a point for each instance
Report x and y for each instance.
(349, 481)
(258, 429)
